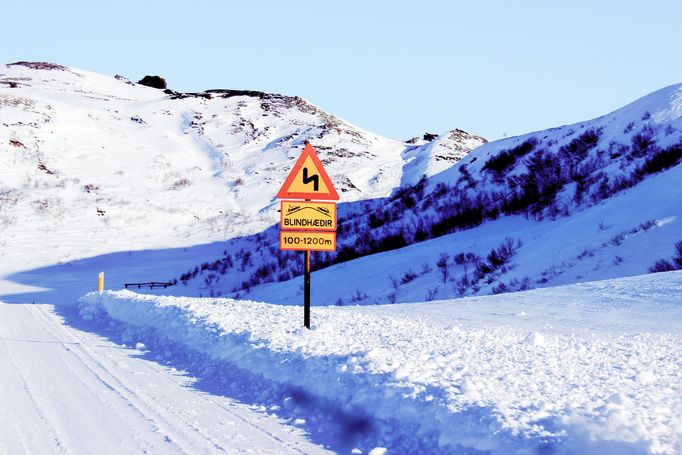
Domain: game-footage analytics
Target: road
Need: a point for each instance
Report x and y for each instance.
(63, 390)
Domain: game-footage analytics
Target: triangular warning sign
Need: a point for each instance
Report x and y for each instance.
(308, 179)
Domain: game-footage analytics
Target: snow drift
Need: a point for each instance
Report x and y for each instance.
(490, 374)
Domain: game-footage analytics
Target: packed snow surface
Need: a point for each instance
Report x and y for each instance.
(64, 390)
(499, 374)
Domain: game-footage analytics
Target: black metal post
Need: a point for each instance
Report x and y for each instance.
(306, 290)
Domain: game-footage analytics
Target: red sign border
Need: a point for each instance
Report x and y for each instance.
(308, 152)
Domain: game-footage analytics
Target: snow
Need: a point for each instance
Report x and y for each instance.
(67, 390)
(535, 339)
(101, 175)
(438, 155)
(595, 238)
(496, 373)
(582, 247)
(130, 168)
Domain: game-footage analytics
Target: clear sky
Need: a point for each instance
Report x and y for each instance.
(396, 68)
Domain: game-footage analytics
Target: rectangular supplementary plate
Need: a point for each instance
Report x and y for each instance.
(308, 216)
(307, 241)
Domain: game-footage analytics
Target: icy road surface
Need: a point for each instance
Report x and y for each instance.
(63, 390)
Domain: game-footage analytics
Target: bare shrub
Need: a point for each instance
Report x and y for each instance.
(408, 276)
(182, 183)
(431, 294)
(443, 267)
(358, 296)
(661, 266)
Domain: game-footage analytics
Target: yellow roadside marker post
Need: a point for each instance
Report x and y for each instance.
(100, 282)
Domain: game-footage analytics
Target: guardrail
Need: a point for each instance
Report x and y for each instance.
(151, 285)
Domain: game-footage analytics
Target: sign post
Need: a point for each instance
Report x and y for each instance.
(307, 225)
(306, 290)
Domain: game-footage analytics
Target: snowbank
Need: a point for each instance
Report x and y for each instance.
(498, 389)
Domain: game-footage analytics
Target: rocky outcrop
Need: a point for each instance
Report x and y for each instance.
(153, 82)
(40, 66)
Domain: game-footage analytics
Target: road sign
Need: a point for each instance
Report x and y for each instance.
(307, 241)
(311, 221)
(308, 216)
(308, 179)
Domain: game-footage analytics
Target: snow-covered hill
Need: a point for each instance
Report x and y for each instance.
(598, 199)
(129, 167)
(125, 166)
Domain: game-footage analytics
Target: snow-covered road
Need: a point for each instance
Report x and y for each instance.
(63, 390)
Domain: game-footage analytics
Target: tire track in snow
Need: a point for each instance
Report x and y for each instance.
(232, 413)
(12, 398)
(59, 443)
(17, 429)
(116, 385)
(66, 329)
(147, 403)
(87, 385)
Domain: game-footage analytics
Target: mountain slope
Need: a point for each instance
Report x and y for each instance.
(129, 167)
(623, 236)
(598, 199)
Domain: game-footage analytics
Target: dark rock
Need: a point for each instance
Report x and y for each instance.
(153, 82)
(40, 65)
(430, 136)
(180, 96)
(227, 93)
(124, 79)
(44, 168)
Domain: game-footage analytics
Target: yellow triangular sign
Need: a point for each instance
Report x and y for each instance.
(308, 179)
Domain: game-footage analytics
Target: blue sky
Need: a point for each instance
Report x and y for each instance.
(396, 68)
